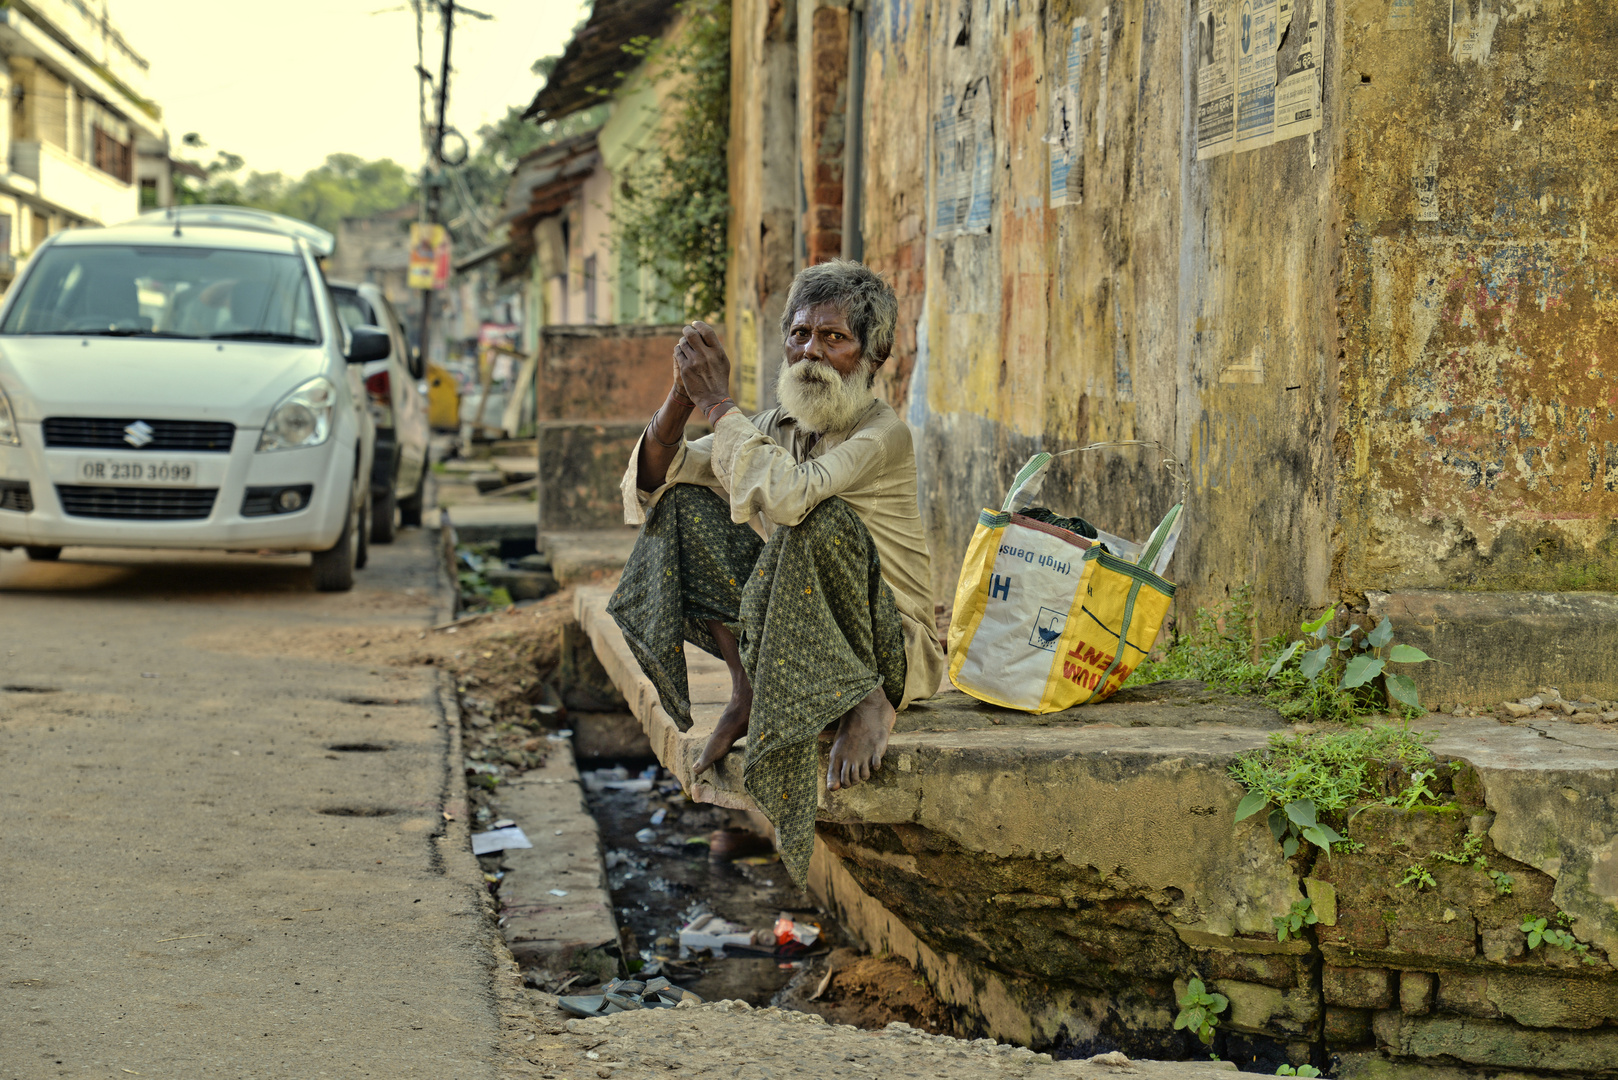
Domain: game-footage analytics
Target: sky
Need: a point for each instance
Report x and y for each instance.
(286, 84)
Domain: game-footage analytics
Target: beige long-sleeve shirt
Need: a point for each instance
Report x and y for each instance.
(773, 473)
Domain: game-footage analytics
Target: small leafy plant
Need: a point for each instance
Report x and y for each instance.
(1199, 1010)
(1301, 1070)
(1502, 882)
(1540, 933)
(1292, 923)
(1354, 662)
(1418, 876)
(1302, 778)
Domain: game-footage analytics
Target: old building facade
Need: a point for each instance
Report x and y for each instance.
(1347, 266)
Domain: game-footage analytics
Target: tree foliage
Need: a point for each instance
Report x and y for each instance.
(672, 213)
(345, 185)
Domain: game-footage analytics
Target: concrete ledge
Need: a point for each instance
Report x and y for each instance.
(544, 930)
(1501, 646)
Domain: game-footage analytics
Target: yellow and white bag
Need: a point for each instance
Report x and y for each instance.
(1044, 619)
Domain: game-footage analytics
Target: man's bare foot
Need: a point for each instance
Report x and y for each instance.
(862, 739)
(732, 726)
(733, 721)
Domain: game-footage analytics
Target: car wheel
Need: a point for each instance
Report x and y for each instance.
(334, 567)
(382, 531)
(43, 554)
(410, 507)
(362, 554)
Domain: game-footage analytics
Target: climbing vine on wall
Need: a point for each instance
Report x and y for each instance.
(671, 214)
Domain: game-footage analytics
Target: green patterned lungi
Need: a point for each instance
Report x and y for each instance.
(816, 624)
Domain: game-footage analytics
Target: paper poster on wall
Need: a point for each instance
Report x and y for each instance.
(1101, 96)
(1256, 41)
(1471, 32)
(1066, 132)
(1297, 96)
(1402, 15)
(1425, 181)
(965, 140)
(1216, 80)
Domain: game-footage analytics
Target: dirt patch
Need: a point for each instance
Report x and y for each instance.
(869, 992)
(500, 663)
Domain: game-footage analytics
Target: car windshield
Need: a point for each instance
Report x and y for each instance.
(127, 290)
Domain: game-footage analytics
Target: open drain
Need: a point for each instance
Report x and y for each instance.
(357, 699)
(13, 688)
(359, 748)
(358, 811)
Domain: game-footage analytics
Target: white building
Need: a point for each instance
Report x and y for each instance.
(83, 143)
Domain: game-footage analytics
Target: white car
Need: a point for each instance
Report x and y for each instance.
(182, 381)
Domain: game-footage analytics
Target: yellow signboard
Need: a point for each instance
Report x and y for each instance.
(429, 256)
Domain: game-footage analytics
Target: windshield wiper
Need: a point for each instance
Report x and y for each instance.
(264, 335)
(110, 331)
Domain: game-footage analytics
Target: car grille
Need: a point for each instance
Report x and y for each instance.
(16, 495)
(98, 433)
(136, 503)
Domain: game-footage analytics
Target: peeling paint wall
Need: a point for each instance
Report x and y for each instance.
(1359, 397)
(1479, 445)
(1160, 298)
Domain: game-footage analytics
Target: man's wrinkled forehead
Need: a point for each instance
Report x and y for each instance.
(826, 314)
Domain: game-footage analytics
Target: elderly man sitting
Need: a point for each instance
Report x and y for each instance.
(822, 609)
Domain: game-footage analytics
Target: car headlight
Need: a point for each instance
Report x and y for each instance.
(303, 417)
(8, 423)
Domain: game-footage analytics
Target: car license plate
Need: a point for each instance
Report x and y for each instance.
(125, 473)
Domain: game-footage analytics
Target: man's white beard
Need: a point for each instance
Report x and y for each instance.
(820, 399)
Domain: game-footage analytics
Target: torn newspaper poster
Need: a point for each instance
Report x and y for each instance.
(1471, 29)
(1101, 94)
(965, 140)
(1256, 41)
(1402, 15)
(1066, 133)
(1297, 96)
(1216, 81)
(1426, 184)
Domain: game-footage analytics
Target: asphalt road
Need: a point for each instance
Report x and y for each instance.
(197, 879)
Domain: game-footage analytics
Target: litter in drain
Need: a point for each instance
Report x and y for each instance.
(356, 699)
(13, 688)
(358, 747)
(358, 811)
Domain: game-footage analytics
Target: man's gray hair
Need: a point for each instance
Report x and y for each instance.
(865, 300)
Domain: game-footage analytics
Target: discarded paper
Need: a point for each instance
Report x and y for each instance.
(499, 840)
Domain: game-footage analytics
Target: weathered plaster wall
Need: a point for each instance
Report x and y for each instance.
(1182, 302)
(1479, 445)
(763, 190)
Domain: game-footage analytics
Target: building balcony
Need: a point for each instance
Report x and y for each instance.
(72, 186)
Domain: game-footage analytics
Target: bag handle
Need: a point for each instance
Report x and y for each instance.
(1031, 477)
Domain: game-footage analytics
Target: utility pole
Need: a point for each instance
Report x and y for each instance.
(432, 176)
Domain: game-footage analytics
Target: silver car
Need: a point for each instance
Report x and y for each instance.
(394, 388)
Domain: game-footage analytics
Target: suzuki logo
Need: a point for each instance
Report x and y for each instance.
(139, 434)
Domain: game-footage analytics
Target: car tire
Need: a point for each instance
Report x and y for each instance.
(382, 530)
(362, 554)
(38, 553)
(410, 507)
(334, 567)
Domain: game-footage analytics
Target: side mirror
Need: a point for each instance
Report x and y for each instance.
(418, 364)
(367, 343)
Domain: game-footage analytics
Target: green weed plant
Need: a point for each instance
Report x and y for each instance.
(1305, 778)
(1344, 678)
(1199, 1011)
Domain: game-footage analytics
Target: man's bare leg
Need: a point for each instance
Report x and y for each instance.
(733, 721)
(862, 739)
